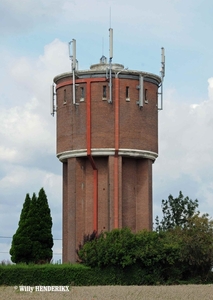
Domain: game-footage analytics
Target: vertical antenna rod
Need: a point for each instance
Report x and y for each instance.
(52, 100)
(162, 63)
(73, 60)
(110, 63)
(162, 75)
(102, 46)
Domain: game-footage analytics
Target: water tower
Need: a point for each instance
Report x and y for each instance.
(107, 141)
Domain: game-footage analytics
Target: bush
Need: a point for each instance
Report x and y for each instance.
(115, 248)
(182, 253)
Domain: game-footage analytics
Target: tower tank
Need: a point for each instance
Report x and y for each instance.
(107, 141)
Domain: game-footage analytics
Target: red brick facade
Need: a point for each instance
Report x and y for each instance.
(107, 151)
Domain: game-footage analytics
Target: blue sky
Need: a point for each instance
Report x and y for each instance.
(34, 49)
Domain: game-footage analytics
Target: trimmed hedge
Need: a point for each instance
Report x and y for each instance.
(48, 274)
(78, 275)
(65, 274)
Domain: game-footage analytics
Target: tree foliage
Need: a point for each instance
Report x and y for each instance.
(180, 249)
(33, 240)
(109, 248)
(196, 246)
(21, 244)
(176, 212)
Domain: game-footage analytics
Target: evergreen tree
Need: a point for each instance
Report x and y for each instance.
(33, 240)
(40, 229)
(46, 237)
(31, 224)
(21, 247)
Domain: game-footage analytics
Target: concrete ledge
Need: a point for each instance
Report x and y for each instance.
(63, 156)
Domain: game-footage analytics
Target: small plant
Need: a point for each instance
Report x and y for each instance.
(87, 238)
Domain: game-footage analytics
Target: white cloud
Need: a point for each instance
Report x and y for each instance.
(36, 75)
(23, 133)
(186, 144)
(27, 129)
(27, 133)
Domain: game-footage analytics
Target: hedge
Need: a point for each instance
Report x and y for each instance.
(79, 275)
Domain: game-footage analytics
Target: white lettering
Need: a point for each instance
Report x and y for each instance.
(40, 288)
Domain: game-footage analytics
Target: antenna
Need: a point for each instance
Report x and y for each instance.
(102, 46)
(162, 63)
(162, 76)
(74, 63)
(110, 63)
(110, 43)
(141, 84)
(74, 54)
(52, 100)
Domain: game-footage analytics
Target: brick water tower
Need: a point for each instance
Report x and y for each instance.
(107, 141)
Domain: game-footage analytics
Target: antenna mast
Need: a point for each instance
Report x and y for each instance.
(110, 63)
(74, 62)
(162, 63)
(162, 75)
(52, 100)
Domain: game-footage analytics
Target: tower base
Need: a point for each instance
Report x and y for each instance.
(124, 198)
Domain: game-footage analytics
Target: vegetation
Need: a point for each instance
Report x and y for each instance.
(33, 240)
(176, 212)
(196, 246)
(80, 275)
(21, 244)
(46, 274)
(181, 248)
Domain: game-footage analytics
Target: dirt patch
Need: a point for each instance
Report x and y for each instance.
(181, 292)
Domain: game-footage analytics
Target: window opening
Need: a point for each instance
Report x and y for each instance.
(145, 96)
(104, 92)
(127, 93)
(65, 96)
(82, 94)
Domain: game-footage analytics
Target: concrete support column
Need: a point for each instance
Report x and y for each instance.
(144, 195)
(111, 191)
(120, 195)
(65, 214)
(80, 188)
(129, 180)
(69, 211)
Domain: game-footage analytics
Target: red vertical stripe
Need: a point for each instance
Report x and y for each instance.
(116, 173)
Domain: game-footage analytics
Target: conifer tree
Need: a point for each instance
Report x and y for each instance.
(40, 229)
(33, 240)
(21, 247)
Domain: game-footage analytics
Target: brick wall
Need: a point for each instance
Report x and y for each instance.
(138, 129)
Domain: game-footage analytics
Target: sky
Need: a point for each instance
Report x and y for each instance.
(34, 49)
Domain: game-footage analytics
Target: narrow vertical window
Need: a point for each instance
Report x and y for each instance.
(104, 92)
(82, 94)
(127, 93)
(65, 96)
(145, 96)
